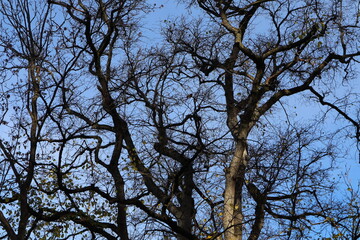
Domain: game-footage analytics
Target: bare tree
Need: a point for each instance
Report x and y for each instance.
(193, 138)
(25, 41)
(303, 44)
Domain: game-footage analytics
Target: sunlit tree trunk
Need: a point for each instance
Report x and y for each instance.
(233, 216)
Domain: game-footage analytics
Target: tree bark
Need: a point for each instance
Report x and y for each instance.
(187, 204)
(233, 216)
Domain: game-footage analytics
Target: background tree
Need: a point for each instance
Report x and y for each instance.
(193, 138)
(28, 98)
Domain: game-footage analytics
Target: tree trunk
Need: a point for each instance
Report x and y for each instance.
(233, 216)
(185, 221)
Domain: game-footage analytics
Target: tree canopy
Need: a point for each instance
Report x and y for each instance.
(232, 125)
